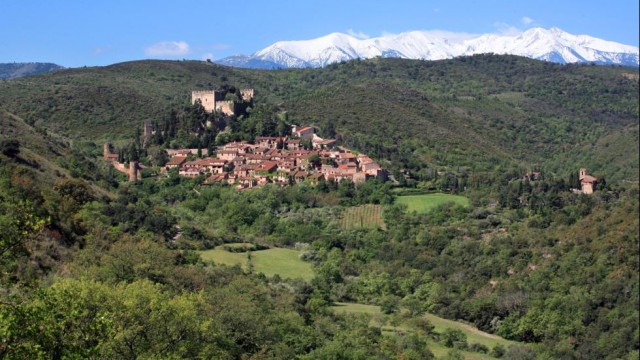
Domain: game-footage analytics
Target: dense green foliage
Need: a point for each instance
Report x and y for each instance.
(91, 266)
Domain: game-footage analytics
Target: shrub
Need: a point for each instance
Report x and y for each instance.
(389, 304)
(10, 148)
(517, 352)
(479, 348)
(454, 338)
(425, 325)
(241, 248)
(309, 256)
(497, 351)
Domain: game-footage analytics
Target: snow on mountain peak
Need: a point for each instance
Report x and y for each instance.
(551, 44)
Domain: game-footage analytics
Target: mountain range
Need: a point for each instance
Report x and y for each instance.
(554, 45)
(17, 70)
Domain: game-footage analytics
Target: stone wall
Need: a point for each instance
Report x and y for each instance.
(106, 150)
(246, 94)
(226, 107)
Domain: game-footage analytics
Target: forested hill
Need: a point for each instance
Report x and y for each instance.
(475, 112)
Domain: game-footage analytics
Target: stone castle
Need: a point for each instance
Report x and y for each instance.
(213, 100)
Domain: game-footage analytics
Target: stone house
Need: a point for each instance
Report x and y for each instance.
(175, 162)
(303, 133)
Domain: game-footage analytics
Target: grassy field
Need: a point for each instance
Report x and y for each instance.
(284, 262)
(363, 216)
(473, 334)
(424, 203)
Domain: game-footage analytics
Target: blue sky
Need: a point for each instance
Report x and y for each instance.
(79, 33)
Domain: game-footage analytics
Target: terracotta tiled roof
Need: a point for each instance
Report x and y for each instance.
(266, 165)
(307, 128)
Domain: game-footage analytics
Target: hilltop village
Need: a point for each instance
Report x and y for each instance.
(301, 157)
(280, 160)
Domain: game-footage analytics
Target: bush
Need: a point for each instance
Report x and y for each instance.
(454, 354)
(10, 148)
(497, 351)
(517, 352)
(389, 304)
(309, 256)
(425, 325)
(454, 338)
(460, 345)
(241, 248)
(479, 348)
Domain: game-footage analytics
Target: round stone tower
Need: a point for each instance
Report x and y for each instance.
(133, 170)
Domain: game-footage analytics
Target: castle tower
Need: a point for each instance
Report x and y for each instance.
(133, 171)
(147, 129)
(206, 97)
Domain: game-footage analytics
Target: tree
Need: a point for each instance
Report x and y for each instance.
(389, 304)
(306, 144)
(330, 130)
(314, 161)
(19, 222)
(497, 351)
(414, 305)
(77, 189)
(249, 262)
(133, 153)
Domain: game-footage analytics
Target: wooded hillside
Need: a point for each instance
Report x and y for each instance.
(94, 266)
(474, 112)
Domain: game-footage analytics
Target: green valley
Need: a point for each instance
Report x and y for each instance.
(483, 243)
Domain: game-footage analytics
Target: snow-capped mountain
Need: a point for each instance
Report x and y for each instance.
(552, 45)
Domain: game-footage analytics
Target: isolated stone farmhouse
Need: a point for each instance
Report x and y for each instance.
(587, 182)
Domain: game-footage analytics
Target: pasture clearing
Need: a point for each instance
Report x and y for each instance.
(422, 204)
(284, 262)
(474, 335)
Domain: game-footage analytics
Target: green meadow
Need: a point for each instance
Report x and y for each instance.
(283, 262)
(424, 203)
